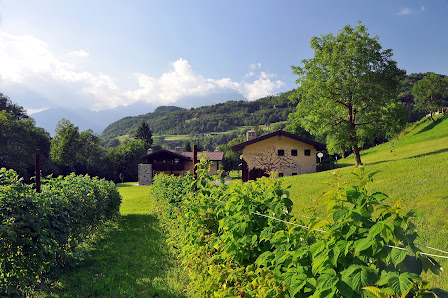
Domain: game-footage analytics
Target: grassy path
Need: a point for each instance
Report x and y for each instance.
(132, 260)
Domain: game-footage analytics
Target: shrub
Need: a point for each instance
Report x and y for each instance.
(39, 230)
(362, 246)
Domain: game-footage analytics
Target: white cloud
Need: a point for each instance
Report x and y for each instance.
(24, 59)
(405, 11)
(33, 111)
(80, 53)
(255, 66)
(182, 81)
(261, 87)
(408, 11)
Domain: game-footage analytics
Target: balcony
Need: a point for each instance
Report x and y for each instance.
(167, 167)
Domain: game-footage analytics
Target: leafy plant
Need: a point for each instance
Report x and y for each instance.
(241, 239)
(40, 230)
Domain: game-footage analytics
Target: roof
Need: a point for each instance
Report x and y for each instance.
(215, 155)
(317, 145)
(165, 152)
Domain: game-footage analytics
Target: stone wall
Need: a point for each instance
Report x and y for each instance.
(144, 174)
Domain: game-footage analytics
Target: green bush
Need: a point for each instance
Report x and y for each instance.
(39, 230)
(230, 250)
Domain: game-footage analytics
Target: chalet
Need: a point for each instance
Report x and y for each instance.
(280, 151)
(174, 162)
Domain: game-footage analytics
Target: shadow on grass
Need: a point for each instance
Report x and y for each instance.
(124, 185)
(131, 261)
(429, 153)
(433, 124)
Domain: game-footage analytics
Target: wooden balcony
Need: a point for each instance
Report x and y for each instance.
(167, 167)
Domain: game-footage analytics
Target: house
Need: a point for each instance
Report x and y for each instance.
(280, 151)
(174, 162)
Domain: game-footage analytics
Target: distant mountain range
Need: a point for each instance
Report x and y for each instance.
(99, 120)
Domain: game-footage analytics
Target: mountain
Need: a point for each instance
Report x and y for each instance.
(87, 119)
(99, 120)
(211, 118)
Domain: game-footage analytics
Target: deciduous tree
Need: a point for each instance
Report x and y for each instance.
(348, 91)
(65, 145)
(429, 93)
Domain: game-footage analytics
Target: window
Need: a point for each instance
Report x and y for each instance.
(293, 174)
(281, 152)
(280, 174)
(307, 152)
(294, 152)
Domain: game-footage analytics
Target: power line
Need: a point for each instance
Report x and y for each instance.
(323, 231)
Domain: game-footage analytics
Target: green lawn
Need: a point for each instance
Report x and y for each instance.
(413, 169)
(132, 260)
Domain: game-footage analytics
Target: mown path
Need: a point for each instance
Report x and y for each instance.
(131, 260)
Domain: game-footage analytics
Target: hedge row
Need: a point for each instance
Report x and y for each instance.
(230, 250)
(40, 230)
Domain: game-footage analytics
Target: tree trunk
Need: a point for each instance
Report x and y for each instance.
(357, 155)
(353, 137)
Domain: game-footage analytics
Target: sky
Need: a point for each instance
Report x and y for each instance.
(103, 54)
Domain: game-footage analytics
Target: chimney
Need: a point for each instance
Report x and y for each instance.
(149, 151)
(251, 135)
(178, 149)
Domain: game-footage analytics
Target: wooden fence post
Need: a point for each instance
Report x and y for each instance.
(195, 160)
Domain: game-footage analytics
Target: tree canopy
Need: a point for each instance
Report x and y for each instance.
(144, 133)
(430, 92)
(348, 92)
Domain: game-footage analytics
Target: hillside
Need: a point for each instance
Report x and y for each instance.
(227, 116)
(413, 169)
(217, 118)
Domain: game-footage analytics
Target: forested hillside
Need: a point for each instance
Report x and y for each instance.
(214, 118)
(170, 120)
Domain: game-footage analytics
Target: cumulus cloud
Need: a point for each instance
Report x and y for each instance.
(24, 58)
(183, 81)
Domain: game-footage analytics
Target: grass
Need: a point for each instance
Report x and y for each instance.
(131, 260)
(413, 169)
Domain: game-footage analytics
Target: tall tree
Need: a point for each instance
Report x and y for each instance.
(144, 133)
(20, 140)
(11, 108)
(429, 93)
(348, 91)
(125, 158)
(90, 152)
(65, 145)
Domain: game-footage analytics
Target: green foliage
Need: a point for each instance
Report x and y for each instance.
(348, 91)
(65, 145)
(230, 250)
(215, 118)
(125, 158)
(40, 230)
(80, 152)
(11, 108)
(20, 140)
(429, 93)
(144, 133)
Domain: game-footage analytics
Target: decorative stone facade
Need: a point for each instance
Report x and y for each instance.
(144, 174)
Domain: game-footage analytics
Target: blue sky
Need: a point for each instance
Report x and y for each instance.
(104, 54)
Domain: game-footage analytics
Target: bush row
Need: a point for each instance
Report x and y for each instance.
(40, 230)
(230, 250)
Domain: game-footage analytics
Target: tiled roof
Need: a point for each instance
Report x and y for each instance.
(213, 155)
(317, 145)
